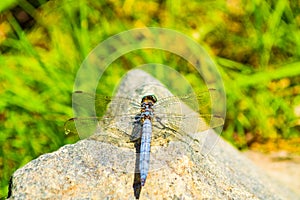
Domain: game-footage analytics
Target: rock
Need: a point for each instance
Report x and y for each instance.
(186, 168)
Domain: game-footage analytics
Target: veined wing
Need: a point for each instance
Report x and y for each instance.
(118, 105)
(187, 114)
(169, 123)
(180, 127)
(199, 102)
(121, 130)
(118, 130)
(195, 122)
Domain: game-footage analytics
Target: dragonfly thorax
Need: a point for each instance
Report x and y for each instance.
(147, 111)
(147, 107)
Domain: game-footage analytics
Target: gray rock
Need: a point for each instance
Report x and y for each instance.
(187, 168)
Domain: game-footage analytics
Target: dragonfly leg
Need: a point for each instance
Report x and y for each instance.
(158, 119)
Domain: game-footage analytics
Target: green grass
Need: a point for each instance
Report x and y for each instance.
(256, 46)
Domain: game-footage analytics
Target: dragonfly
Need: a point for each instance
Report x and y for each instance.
(150, 121)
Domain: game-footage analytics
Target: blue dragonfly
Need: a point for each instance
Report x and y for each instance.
(148, 122)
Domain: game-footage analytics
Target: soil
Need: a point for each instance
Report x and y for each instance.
(282, 166)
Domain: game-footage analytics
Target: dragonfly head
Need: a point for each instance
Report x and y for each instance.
(150, 97)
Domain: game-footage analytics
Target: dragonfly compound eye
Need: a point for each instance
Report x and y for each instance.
(149, 97)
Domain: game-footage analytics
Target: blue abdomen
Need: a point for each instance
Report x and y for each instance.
(145, 150)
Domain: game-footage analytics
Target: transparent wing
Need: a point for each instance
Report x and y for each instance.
(164, 108)
(127, 129)
(100, 103)
(120, 132)
(187, 114)
(199, 102)
(170, 122)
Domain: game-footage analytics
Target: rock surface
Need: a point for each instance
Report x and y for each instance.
(282, 166)
(90, 169)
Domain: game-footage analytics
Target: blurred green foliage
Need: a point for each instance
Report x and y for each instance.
(255, 44)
